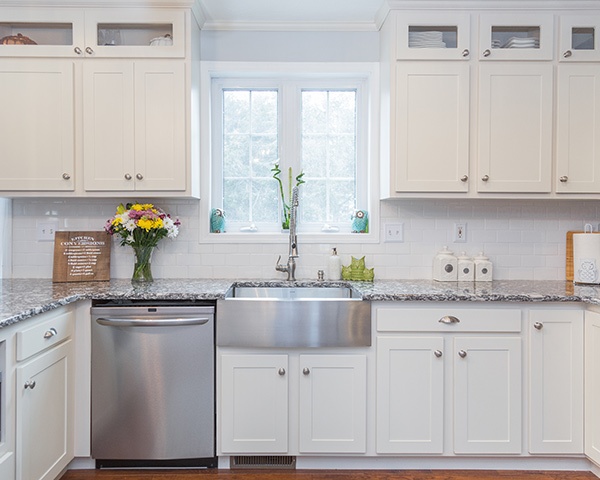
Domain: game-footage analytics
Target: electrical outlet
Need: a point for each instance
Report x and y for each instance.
(460, 233)
(45, 230)
(394, 232)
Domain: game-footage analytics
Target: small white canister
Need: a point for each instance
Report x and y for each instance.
(483, 268)
(586, 256)
(445, 266)
(466, 268)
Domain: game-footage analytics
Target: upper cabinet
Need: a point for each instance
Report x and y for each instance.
(116, 32)
(579, 39)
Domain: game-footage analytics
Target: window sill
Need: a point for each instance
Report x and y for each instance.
(282, 238)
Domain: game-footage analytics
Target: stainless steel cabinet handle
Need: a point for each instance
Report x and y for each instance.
(465, 52)
(487, 53)
(538, 325)
(564, 179)
(305, 370)
(89, 50)
(448, 319)
(567, 54)
(50, 333)
(485, 178)
(462, 353)
(281, 371)
(152, 322)
(437, 353)
(29, 384)
(139, 176)
(77, 50)
(127, 176)
(464, 178)
(66, 176)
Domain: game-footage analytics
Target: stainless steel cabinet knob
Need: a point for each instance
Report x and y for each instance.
(50, 333)
(567, 54)
(487, 53)
(29, 384)
(139, 176)
(89, 50)
(77, 50)
(538, 325)
(485, 178)
(462, 353)
(305, 370)
(564, 179)
(127, 176)
(437, 353)
(66, 176)
(464, 178)
(281, 371)
(465, 52)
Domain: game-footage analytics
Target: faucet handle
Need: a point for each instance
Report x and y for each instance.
(279, 267)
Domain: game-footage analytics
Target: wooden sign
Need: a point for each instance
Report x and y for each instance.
(81, 256)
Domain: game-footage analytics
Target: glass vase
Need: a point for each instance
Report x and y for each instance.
(142, 270)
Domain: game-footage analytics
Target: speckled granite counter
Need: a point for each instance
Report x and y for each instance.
(23, 298)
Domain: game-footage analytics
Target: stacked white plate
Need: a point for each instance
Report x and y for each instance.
(522, 42)
(426, 39)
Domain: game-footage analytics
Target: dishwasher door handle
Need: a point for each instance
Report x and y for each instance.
(158, 322)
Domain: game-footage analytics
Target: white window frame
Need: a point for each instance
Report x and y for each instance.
(321, 75)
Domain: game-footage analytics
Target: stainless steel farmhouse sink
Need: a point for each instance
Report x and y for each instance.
(293, 316)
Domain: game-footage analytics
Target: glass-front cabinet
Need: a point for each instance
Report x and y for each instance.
(516, 37)
(440, 36)
(579, 38)
(109, 33)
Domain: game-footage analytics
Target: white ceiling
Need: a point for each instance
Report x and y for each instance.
(292, 14)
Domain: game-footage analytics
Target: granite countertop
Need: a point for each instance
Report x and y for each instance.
(23, 298)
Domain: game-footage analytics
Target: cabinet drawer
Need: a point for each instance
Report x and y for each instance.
(448, 319)
(52, 329)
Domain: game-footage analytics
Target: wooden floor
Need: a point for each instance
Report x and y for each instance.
(322, 475)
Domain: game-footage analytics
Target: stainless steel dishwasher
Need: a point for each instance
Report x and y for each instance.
(153, 389)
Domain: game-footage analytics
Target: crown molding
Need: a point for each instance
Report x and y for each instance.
(292, 26)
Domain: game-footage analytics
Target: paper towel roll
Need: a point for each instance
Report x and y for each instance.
(586, 258)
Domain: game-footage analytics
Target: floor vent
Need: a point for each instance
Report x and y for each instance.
(264, 461)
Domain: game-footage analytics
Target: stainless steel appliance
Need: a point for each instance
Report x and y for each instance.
(153, 389)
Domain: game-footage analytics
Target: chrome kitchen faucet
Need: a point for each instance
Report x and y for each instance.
(290, 267)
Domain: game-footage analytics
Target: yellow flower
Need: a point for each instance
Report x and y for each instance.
(137, 207)
(158, 223)
(116, 221)
(148, 206)
(145, 223)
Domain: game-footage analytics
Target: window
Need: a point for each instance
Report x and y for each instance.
(315, 124)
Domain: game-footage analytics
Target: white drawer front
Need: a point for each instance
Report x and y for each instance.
(54, 329)
(448, 319)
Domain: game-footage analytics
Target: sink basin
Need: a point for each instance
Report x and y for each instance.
(294, 316)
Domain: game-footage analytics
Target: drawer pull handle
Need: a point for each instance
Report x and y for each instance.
(281, 371)
(77, 50)
(50, 333)
(306, 371)
(29, 384)
(462, 353)
(567, 54)
(89, 50)
(564, 179)
(538, 325)
(465, 53)
(448, 320)
(437, 353)
(487, 53)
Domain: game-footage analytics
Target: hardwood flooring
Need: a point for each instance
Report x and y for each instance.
(323, 475)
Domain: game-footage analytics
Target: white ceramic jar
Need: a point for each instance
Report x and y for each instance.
(483, 268)
(445, 266)
(466, 268)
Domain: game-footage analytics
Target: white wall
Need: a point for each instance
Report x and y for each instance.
(5, 238)
(524, 239)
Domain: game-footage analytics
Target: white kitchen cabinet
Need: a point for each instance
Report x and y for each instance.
(37, 125)
(431, 133)
(579, 39)
(515, 127)
(555, 381)
(432, 358)
(45, 396)
(578, 128)
(266, 397)
(134, 125)
(592, 386)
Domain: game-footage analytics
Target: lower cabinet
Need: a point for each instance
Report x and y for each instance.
(258, 410)
(592, 386)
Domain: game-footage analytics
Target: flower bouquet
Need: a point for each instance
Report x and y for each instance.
(142, 226)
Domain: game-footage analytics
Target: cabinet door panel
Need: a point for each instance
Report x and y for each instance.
(44, 414)
(108, 119)
(515, 127)
(410, 395)
(592, 386)
(254, 404)
(332, 404)
(160, 146)
(556, 382)
(37, 125)
(432, 127)
(487, 395)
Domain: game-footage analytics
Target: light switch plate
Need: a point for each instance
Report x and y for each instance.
(394, 232)
(45, 230)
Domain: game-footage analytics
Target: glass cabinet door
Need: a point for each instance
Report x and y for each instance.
(516, 37)
(579, 38)
(433, 36)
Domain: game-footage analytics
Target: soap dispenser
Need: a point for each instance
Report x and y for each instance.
(334, 266)
(483, 268)
(445, 266)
